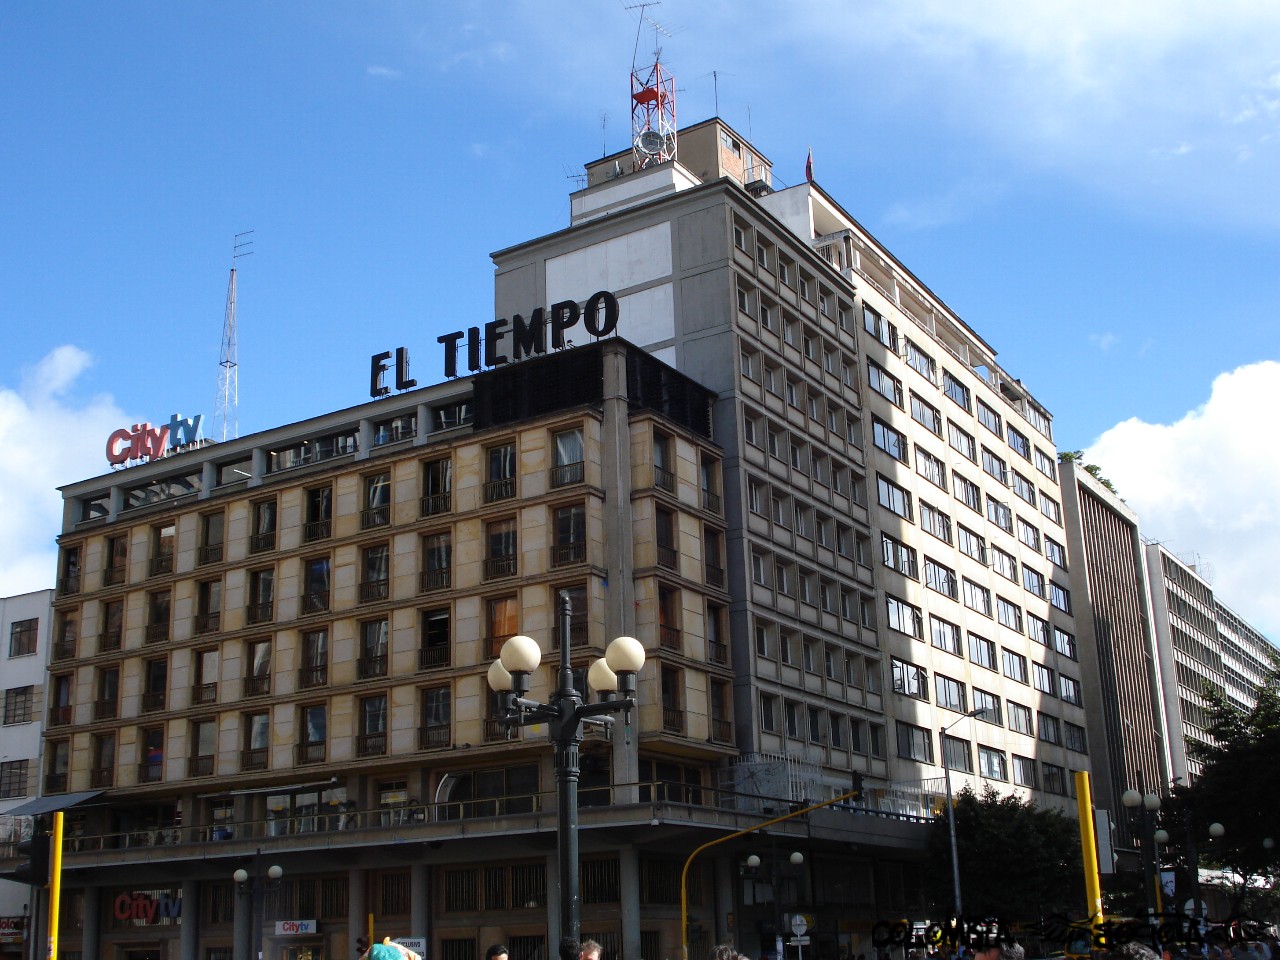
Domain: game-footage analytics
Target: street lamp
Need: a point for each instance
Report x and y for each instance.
(565, 712)
(254, 886)
(951, 813)
(796, 859)
(1146, 805)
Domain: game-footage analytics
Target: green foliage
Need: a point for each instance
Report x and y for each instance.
(1095, 471)
(1018, 861)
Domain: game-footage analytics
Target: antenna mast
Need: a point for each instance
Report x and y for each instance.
(228, 402)
(653, 102)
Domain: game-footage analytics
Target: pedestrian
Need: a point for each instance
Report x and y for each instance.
(496, 952)
(589, 950)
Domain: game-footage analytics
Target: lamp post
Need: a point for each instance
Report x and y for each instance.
(775, 879)
(951, 813)
(566, 713)
(1216, 831)
(1146, 805)
(256, 888)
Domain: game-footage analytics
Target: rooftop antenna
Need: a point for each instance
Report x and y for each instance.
(604, 134)
(228, 403)
(653, 101)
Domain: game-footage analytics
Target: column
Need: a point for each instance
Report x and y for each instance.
(189, 924)
(241, 923)
(91, 934)
(357, 907)
(629, 881)
(419, 901)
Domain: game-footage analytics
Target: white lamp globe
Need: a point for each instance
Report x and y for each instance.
(241, 876)
(275, 872)
(1162, 836)
(753, 861)
(1151, 801)
(1216, 830)
(601, 678)
(1131, 799)
(625, 655)
(498, 677)
(797, 858)
(521, 654)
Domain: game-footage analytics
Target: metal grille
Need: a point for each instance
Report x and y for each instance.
(462, 948)
(394, 888)
(528, 947)
(601, 882)
(333, 897)
(529, 885)
(460, 892)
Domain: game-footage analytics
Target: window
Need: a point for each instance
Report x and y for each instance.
(208, 606)
(1074, 738)
(257, 680)
(1019, 443)
(503, 619)
(500, 550)
(1055, 779)
(314, 724)
(891, 441)
(884, 383)
(155, 684)
(500, 472)
(904, 617)
(967, 492)
(103, 760)
(375, 572)
(1042, 679)
(893, 497)
(434, 651)
(989, 418)
(999, 513)
(319, 514)
(940, 578)
(17, 704)
(13, 779)
(921, 362)
(1069, 690)
(792, 711)
(374, 637)
(1046, 465)
(993, 764)
(945, 635)
(768, 713)
(437, 487)
(1064, 643)
(935, 522)
(162, 538)
(898, 556)
(962, 442)
(956, 390)
(204, 746)
(759, 570)
(437, 561)
(1038, 629)
(1009, 614)
(1004, 564)
(22, 637)
(1059, 597)
(437, 712)
(261, 597)
(989, 704)
(1029, 535)
(982, 651)
(1056, 552)
(1015, 665)
(749, 364)
(914, 743)
(994, 466)
(1024, 771)
(815, 725)
(1032, 581)
(880, 328)
(1023, 488)
(377, 501)
(314, 670)
(371, 738)
(972, 544)
(1049, 507)
(950, 693)
(1020, 718)
(926, 414)
(1049, 729)
(931, 468)
(956, 754)
(977, 597)
(315, 583)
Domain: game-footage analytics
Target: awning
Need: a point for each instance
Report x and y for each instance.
(58, 801)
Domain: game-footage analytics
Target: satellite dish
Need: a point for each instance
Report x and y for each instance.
(651, 142)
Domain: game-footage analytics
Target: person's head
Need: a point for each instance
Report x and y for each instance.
(589, 950)
(570, 949)
(724, 951)
(497, 952)
(1000, 950)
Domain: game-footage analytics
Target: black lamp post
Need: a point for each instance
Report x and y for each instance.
(255, 887)
(1143, 807)
(951, 810)
(566, 712)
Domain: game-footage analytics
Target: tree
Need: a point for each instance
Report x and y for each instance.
(1018, 862)
(1095, 471)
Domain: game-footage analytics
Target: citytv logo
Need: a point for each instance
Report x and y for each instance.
(144, 442)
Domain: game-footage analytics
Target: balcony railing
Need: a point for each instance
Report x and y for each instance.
(64, 649)
(369, 667)
(673, 720)
(156, 632)
(208, 622)
(431, 658)
(715, 575)
(150, 772)
(371, 744)
(102, 777)
(434, 737)
(316, 530)
(316, 675)
(260, 612)
(69, 585)
(257, 686)
(495, 730)
(309, 752)
(436, 503)
(721, 731)
(255, 759)
(200, 766)
(717, 652)
(664, 479)
(372, 591)
(261, 542)
(161, 564)
(430, 580)
(667, 557)
(109, 640)
(105, 709)
(375, 517)
(496, 490)
(55, 783)
(668, 637)
(317, 602)
(578, 632)
(204, 693)
(209, 553)
(566, 474)
(711, 502)
(60, 716)
(564, 554)
(152, 701)
(112, 576)
(496, 567)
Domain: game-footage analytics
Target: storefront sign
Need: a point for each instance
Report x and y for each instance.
(11, 929)
(145, 908)
(295, 928)
(417, 944)
(144, 442)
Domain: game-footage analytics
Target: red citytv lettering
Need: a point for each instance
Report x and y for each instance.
(144, 908)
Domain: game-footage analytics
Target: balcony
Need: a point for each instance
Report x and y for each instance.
(434, 504)
(204, 693)
(375, 517)
(497, 567)
(668, 637)
(371, 591)
(209, 553)
(105, 709)
(257, 686)
(567, 474)
(113, 576)
(64, 649)
(715, 576)
(496, 731)
(721, 731)
(432, 658)
(717, 652)
(55, 783)
(496, 490)
(109, 641)
(578, 632)
(429, 580)
(667, 557)
(664, 479)
(261, 612)
(313, 676)
(69, 585)
(102, 777)
(316, 530)
(161, 564)
(262, 542)
(317, 602)
(434, 737)
(565, 554)
(493, 645)
(371, 744)
(153, 701)
(711, 502)
(150, 772)
(60, 716)
(672, 720)
(368, 668)
(200, 766)
(255, 759)
(309, 753)
(208, 622)
(156, 632)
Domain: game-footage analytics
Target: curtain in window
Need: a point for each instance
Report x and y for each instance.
(261, 659)
(568, 447)
(374, 638)
(313, 725)
(266, 517)
(378, 491)
(375, 564)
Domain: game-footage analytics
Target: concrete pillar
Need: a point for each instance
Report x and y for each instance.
(241, 923)
(259, 468)
(91, 932)
(357, 907)
(364, 440)
(419, 901)
(629, 880)
(189, 927)
(208, 480)
(424, 425)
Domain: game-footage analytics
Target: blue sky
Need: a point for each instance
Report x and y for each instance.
(1091, 185)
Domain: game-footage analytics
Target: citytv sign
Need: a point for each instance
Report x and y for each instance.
(143, 442)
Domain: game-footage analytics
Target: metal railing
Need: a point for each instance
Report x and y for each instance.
(262, 542)
(260, 612)
(564, 554)
(496, 567)
(375, 517)
(431, 658)
(566, 474)
(664, 479)
(433, 504)
(209, 553)
(316, 530)
(156, 632)
(161, 564)
(496, 490)
(429, 580)
(372, 591)
(317, 602)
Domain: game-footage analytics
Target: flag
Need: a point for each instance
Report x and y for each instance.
(808, 167)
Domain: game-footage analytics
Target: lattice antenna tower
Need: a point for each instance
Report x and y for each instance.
(653, 101)
(228, 402)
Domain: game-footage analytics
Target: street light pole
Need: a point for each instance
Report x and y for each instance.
(951, 813)
(256, 889)
(566, 713)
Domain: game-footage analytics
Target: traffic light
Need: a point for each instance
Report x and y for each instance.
(855, 791)
(37, 851)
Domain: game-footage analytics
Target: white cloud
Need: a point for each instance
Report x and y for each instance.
(1210, 484)
(1103, 341)
(382, 73)
(48, 440)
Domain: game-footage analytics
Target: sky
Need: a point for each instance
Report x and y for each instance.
(1091, 185)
